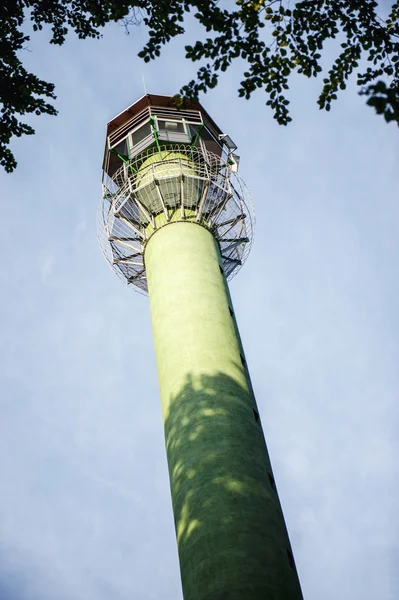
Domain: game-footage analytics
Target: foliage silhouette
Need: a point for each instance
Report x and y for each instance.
(276, 38)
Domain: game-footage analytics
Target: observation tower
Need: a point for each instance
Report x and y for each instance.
(176, 222)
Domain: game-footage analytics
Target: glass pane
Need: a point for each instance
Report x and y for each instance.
(121, 148)
(140, 134)
(210, 143)
(171, 126)
(193, 131)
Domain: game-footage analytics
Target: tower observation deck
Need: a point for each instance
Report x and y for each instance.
(176, 222)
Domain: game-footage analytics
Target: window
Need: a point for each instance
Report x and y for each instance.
(114, 162)
(231, 312)
(193, 129)
(221, 270)
(172, 131)
(209, 142)
(172, 126)
(244, 362)
(121, 148)
(140, 134)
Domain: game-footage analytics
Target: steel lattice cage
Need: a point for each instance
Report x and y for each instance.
(165, 185)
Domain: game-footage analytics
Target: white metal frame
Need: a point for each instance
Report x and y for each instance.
(185, 184)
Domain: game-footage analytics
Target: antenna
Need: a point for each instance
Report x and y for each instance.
(145, 89)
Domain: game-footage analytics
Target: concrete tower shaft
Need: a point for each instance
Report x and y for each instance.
(230, 529)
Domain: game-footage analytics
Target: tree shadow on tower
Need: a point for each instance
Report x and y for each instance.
(232, 539)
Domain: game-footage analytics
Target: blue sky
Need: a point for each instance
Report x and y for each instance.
(85, 510)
